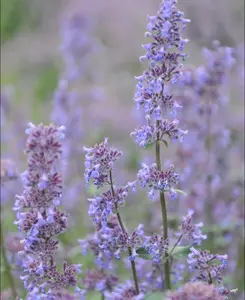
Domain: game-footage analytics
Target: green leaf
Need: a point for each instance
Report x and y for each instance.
(143, 253)
(180, 191)
(46, 83)
(181, 251)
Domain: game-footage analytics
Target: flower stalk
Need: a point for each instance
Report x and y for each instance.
(125, 231)
(164, 219)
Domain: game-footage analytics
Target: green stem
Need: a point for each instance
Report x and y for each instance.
(164, 218)
(133, 267)
(175, 245)
(8, 267)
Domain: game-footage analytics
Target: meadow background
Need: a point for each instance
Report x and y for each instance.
(31, 67)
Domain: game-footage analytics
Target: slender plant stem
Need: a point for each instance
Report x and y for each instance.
(8, 267)
(175, 245)
(164, 217)
(129, 248)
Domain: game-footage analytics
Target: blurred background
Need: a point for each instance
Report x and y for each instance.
(35, 40)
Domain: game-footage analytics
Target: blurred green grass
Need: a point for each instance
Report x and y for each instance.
(17, 15)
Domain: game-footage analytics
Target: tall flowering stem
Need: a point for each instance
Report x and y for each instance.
(124, 231)
(163, 55)
(164, 218)
(39, 218)
(112, 236)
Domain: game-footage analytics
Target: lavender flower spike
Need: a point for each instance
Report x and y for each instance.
(98, 162)
(192, 231)
(204, 262)
(163, 64)
(38, 216)
(163, 55)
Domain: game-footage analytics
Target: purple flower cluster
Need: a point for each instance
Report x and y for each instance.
(156, 246)
(125, 291)
(99, 162)
(152, 132)
(101, 207)
(163, 55)
(110, 240)
(207, 80)
(208, 266)
(155, 179)
(192, 231)
(204, 93)
(165, 31)
(38, 216)
(73, 95)
(195, 290)
(76, 45)
(111, 237)
(98, 280)
(208, 157)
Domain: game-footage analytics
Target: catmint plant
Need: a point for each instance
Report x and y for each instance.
(205, 91)
(164, 56)
(39, 217)
(161, 109)
(75, 47)
(111, 237)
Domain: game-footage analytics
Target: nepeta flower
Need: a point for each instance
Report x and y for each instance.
(156, 246)
(38, 216)
(163, 55)
(156, 179)
(152, 132)
(116, 241)
(55, 223)
(68, 110)
(92, 244)
(125, 291)
(99, 162)
(77, 44)
(164, 30)
(99, 281)
(102, 206)
(196, 291)
(208, 80)
(192, 231)
(209, 266)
